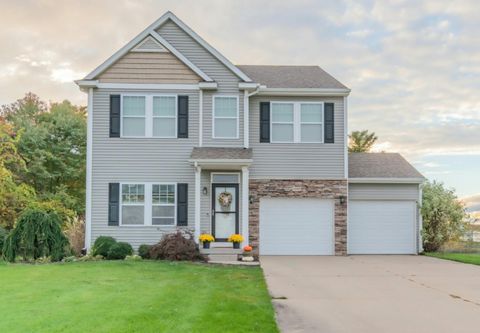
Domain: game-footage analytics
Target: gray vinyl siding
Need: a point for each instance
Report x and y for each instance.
(297, 160)
(383, 191)
(227, 81)
(143, 160)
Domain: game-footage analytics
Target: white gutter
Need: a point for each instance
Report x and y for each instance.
(303, 92)
(88, 202)
(386, 180)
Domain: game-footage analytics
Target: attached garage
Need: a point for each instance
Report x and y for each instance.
(296, 226)
(384, 197)
(382, 227)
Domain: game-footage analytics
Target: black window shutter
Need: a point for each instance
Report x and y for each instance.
(113, 203)
(182, 117)
(182, 204)
(114, 116)
(329, 136)
(264, 121)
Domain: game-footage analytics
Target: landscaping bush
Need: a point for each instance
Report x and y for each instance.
(102, 245)
(133, 258)
(89, 257)
(177, 246)
(144, 251)
(37, 234)
(3, 235)
(75, 232)
(119, 251)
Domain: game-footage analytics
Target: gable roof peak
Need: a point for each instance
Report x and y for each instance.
(151, 30)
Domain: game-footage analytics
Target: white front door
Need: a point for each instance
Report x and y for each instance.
(296, 226)
(225, 207)
(381, 227)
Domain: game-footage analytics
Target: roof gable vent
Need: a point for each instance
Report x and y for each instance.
(149, 44)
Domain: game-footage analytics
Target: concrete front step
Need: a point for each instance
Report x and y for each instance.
(221, 250)
(222, 257)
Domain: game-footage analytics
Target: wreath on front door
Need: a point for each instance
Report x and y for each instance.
(225, 199)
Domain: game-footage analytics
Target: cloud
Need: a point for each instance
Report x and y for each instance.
(413, 66)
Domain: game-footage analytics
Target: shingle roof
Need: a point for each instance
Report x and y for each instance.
(205, 153)
(380, 165)
(291, 76)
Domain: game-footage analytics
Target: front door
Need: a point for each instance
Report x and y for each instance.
(224, 211)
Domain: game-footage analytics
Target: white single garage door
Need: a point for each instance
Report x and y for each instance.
(381, 227)
(296, 226)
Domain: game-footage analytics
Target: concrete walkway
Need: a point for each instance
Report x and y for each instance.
(373, 294)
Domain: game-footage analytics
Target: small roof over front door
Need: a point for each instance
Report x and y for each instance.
(221, 158)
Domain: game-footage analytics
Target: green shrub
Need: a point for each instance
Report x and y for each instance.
(119, 251)
(37, 234)
(144, 251)
(3, 235)
(133, 258)
(43, 260)
(89, 257)
(102, 245)
(177, 246)
(69, 259)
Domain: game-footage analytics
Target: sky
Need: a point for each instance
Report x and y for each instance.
(413, 66)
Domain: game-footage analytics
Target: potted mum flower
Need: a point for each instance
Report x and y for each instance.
(236, 239)
(206, 239)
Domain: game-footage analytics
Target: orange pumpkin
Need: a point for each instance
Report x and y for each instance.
(247, 248)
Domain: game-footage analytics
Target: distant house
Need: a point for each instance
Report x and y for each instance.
(179, 137)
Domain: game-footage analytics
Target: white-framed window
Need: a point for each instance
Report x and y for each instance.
(311, 122)
(148, 204)
(133, 115)
(282, 119)
(149, 115)
(296, 122)
(163, 204)
(133, 204)
(225, 117)
(164, 113)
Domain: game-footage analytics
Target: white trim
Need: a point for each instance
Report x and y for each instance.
(87, 83)
(386, 180)
(223, 161)
(224, 173)
(245, 203)
(147, 204)
(345, 134)
(88, 191)
(207, 85)
(200, 118)
(296, 122)
(151, 28)
(146, 86)
(161, 48)
(198, 172)
(420, 218)
(302, 92)
(149, 117)
(248, 85)
(246, 121)
(237, 117)
(180, 56)
(209, 48)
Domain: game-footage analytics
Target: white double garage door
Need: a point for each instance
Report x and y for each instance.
(305, 226)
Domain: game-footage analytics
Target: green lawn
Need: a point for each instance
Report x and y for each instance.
(121, 296)
(468, 258)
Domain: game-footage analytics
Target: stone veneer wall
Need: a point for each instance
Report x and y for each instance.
(324, 189)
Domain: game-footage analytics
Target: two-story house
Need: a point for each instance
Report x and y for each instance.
(179, 137)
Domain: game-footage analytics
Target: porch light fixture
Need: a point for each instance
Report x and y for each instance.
(205, 190)
(342, 199)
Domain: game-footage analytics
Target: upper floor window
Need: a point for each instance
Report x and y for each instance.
(133, 116)
(149, 116)
(297, 122)
(225, 117)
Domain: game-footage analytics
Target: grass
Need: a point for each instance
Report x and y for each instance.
(467, 258)
(146, 296)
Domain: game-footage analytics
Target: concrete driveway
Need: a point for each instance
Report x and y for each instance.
(373, 294)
